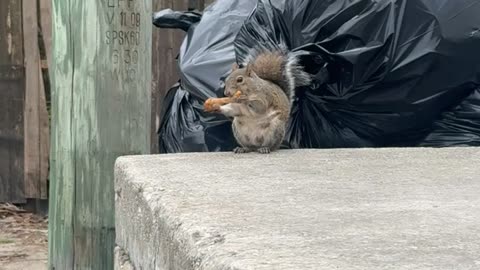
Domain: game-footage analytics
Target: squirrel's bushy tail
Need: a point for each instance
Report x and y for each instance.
(281, 68)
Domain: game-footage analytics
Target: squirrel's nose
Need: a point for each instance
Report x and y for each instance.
(226, 92)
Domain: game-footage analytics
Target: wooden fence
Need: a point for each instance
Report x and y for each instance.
(25, 55)
(24, 126)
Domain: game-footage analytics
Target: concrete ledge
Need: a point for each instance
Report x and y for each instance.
(301, 209)
(121, 260)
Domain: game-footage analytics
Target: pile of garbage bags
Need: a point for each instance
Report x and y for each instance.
(386, 73)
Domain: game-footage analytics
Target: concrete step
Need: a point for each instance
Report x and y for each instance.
(301, 209)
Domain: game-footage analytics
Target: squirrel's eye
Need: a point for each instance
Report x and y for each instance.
(239, 79)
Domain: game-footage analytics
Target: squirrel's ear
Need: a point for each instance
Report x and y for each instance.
(249, 71)
(234, 66)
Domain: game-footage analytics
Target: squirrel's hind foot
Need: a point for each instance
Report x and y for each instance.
(264, 150)
(241, 150)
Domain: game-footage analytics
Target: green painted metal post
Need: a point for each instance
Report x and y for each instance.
(101, 110)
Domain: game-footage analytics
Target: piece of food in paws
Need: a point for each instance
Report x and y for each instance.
(213, 104)
(237, 94)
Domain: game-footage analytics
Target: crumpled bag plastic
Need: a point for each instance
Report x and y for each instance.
(206, 56)
(168, 18)
(387, 73)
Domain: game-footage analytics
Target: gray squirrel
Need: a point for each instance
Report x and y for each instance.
(259, 98)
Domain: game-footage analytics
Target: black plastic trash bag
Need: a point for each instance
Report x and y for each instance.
(395, 66)
(168, 18)
(206, 56)
(388, 73)
(459, 126)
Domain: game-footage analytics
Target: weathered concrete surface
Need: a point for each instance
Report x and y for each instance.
(121, 261)
(311, 209)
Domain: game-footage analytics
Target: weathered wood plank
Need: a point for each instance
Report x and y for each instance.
(12, 188)
(46, 25)
(160, 38)
(196, 4)
(12, 83)
(32, 98)
(11, 39)
(44, 139)
(62, 176)
(101, 109)
(46, 29)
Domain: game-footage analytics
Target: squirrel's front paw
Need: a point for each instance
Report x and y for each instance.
(211, 106)
(264, 150)
(240, 150)
(240, 99)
